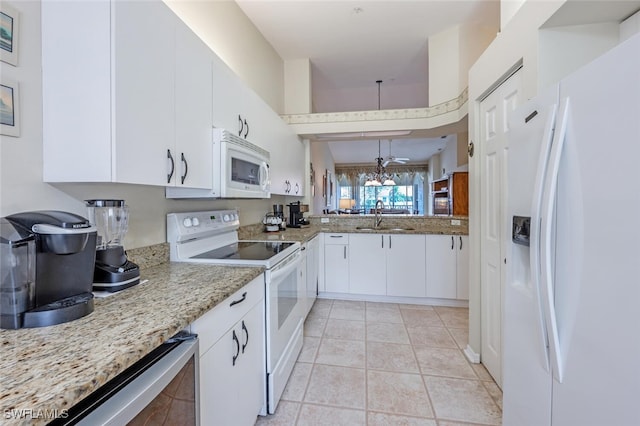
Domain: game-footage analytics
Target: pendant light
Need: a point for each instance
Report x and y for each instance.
(380, 176)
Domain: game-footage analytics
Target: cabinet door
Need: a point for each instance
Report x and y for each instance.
(193, 108)
(144, 91)
(336, 268)
(228, 98)
(441, 266)
(312, 271)
(462, 267)
(232, 382)
(287, 160)
(405, 265)
(367, 266)
(251, 378)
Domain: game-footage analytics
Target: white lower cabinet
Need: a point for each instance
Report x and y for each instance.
(367, 265)
(405, 265)
(462, 268)
(232, 358)
(396, 265)
(312, 258)
(387, 265)
(447, 266)
(336, 263)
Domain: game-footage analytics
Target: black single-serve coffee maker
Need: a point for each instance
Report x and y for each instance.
(65, 250)
(296, 215)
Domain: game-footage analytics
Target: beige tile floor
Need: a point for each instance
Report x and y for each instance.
(366, 363)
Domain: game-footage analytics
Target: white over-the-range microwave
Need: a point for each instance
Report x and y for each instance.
(240, 169)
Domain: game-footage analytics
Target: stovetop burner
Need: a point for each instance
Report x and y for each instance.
(247, 250)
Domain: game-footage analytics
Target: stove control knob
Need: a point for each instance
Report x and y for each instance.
(195, 221)
(226, 218)
(187, 222)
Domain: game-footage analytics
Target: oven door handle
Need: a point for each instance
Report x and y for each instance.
(286, 266)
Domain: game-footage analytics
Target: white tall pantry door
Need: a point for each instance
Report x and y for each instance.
(495, 111)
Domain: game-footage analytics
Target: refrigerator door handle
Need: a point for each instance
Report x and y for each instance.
(548, 207)
(534, 247)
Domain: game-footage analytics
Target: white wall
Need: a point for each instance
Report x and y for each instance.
(518, 42)
(452, 52)
(563, 50)
(322, 161)
(297, 86)
(21, 186)
(508, 8)
(444, 65)
(630, 26)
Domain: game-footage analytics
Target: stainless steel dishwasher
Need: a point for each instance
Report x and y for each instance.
(161, 388)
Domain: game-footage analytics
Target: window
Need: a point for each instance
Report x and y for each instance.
(405, 197)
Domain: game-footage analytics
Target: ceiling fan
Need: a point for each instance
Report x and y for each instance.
(393, 159)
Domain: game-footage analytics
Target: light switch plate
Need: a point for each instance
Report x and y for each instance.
(455, 222)
(324, 220)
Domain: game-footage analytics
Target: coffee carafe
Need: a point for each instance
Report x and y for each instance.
(113, 271)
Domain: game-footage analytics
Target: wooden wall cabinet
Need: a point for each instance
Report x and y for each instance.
(451, 195)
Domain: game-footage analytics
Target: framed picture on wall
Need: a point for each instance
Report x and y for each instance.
(9, 108)
(328, 188)
(9, 25)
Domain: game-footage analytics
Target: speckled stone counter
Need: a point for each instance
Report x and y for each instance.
(53, 368)
(349, 223)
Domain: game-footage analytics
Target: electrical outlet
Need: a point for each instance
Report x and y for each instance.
(326, 220)
(455, 222)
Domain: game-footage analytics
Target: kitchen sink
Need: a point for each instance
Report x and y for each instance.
(382, 228)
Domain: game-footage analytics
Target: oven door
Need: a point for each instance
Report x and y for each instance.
(245, 174)
(285, 311)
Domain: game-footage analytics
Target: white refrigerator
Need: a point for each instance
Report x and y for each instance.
(572, 297)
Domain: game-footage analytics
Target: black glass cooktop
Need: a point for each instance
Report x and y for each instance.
(246, 250)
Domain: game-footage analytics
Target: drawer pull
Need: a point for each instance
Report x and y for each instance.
(235, 302)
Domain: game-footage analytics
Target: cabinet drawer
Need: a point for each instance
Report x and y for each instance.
(336, 238)
(214, 324)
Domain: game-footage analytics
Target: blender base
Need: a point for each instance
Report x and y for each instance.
(112, 279)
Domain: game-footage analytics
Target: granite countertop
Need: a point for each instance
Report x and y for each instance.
(407, 227)
(53, 368)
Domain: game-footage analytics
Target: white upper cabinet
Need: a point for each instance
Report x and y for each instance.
(230, 102)
(144, 92)
(193, 110)
(287, 160)
(111, 109)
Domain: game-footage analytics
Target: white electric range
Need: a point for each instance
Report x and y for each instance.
(212, 237)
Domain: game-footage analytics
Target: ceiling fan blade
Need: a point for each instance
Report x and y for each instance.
(386, 163)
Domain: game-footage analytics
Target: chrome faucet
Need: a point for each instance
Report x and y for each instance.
(377, 212)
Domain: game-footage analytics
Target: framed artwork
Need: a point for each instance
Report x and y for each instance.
(328, 188)
(9, 25)
(9, 108)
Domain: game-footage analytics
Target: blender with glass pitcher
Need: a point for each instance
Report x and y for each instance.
(113, 271)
